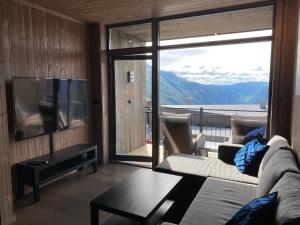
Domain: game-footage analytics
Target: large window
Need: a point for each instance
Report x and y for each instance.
(215, 84)
(212, 68)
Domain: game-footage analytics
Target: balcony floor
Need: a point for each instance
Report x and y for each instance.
(146, 150)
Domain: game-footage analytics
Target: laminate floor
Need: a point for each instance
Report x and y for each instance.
(66, 201)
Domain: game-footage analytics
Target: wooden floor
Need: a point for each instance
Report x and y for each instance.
(66, 201)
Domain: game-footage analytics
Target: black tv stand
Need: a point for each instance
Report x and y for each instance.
(58, 164)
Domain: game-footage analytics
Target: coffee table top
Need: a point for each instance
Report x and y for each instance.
(138, 196)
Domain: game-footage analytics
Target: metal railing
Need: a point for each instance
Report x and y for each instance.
(215, 123)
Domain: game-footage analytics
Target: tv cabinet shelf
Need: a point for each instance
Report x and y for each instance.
(59, 163)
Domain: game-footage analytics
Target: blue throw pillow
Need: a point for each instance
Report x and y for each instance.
(255, 134)
(259, 211)
(248, 158)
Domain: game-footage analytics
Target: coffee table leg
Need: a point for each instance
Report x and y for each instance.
(94, 216)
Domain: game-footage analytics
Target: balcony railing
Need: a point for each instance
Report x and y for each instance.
(214, 122)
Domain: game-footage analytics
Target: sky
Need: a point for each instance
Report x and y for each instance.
(225, 64)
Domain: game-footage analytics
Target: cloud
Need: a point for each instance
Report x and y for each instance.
(220, 64)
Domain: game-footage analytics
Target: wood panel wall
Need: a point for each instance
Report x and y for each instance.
(36, 43)
(6, 196)
(284, 68)
(295, 129)
(285, 119)
(104, 94)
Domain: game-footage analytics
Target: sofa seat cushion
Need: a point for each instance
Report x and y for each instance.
(217, 201)
(281, 162)
(204, 167)
(288, 209)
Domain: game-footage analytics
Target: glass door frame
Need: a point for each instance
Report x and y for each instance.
(112, 108)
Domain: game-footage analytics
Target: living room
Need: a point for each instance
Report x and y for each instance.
(153, 96)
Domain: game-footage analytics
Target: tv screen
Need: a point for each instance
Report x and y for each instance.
(71, 103)
(43, 106)
(62, 87)
(34, 107)
(77, 103)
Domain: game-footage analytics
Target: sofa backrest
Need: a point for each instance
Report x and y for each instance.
(280, 172)
(288, 208)
(282, 161)
(275, 143)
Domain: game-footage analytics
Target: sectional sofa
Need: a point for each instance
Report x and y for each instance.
(226, 190)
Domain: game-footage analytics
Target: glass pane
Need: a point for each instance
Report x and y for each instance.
(131, 36)
(133, 107)
(221, 37)
(214, 27)
(223, 89)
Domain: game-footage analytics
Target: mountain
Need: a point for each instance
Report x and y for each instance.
(175, 90)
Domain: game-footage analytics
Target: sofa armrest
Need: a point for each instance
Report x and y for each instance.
(226, 152)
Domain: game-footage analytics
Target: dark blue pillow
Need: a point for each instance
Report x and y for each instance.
(259, 211)
(255, 134)
(248, 158)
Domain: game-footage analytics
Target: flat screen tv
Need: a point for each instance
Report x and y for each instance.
(71, 103)
(77, 103)
(44, 106)
(34, 107)
(62, 87)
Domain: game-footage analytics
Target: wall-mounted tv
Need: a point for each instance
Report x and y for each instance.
(77, 103)
(62, 104)
(71, 103)
(34, 107)
(44, 106)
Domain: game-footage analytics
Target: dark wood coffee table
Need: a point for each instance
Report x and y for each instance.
(137, 198)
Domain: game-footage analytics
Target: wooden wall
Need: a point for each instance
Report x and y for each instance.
(285, 118)
(284, 68)
(6, 196)
(104, 94)
(36, 43)
(295, 129)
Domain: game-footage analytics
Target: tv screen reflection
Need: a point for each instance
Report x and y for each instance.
(77, 101)
(34, 107)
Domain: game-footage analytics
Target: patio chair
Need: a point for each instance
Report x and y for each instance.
(241, 125)
(177, 135)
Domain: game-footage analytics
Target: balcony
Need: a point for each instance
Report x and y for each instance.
(215, 121)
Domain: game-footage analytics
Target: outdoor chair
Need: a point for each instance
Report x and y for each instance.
(241, 125)
(177, 136)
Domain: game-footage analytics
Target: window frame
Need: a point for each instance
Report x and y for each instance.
(141, 52)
